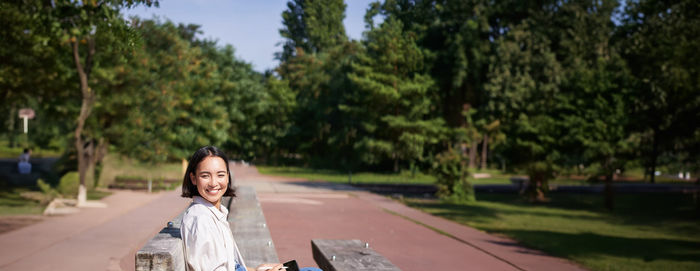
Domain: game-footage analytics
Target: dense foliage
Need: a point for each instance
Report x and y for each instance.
(546, 87)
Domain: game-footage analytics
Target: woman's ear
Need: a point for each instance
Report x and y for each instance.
(192, 179)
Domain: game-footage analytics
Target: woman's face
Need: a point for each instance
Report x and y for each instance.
(211, 179)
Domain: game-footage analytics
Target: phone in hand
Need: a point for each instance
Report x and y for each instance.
(291, 265)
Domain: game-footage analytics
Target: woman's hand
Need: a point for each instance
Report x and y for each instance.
(270, 267)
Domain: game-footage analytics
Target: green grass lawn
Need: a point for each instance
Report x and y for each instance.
(645, 232)
(497, 177)
(373, 178)
(114, 166)
(388, 178)
(97, 195)
(11, 203)
(7, 152)
(342, 177)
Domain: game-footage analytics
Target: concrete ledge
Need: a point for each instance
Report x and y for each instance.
(249, 228)
(348, 255)
(164, 251)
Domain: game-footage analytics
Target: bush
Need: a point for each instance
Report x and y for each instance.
(48, 192)
(539, 173)
(462, 192)
(450, 171)
(69, 184)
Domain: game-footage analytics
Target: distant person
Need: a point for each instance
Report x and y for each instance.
(24, 167)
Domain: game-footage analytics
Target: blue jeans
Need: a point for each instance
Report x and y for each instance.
(241, 268)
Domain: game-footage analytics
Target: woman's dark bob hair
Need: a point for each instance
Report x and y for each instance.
(188, 188)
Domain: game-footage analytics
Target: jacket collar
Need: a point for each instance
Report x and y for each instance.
(219, 214)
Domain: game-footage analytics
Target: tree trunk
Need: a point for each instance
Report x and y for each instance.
(609, 193)
(484, 151)
(654, 154)
(86, 107)
(535, 188)
(696, 197)
(11, 126)
(396, 163)
(83, 155)
(95, 155)
(472, 154)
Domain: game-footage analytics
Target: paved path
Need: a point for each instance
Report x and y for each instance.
(298, 211)
(94, 238)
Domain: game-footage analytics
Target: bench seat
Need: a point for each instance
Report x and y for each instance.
(164, 251)
(348, 255)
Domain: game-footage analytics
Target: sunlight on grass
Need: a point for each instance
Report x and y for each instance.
(646, 232)
(390, 178)
(342, 177)
(114, 166)
(11, 203)
(7, 152)
(97, 195)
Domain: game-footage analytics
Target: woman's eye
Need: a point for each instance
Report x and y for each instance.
(222, 175)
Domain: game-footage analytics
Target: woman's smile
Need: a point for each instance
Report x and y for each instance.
(213, 191)
(211, 179)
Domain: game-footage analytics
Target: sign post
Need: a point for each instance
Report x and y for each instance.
(26, 114)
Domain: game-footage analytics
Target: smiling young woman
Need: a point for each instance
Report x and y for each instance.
(208, 241)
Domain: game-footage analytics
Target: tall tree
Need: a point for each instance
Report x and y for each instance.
(312, 26)
(169, 75)
(79, 23)
(593, 106)
(202, 93)
(315, 61)
(660, 46)
(460, 36)
(523, 88)
(396, 96)
(35, 73)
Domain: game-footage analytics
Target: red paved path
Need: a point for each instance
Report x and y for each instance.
(94, 238)
(298, 211)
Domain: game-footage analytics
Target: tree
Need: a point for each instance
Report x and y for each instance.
(80, 25)
(202, 95)
(312, 26)
(593, 107)
(315, 61)
(522, 92)
(460, 38)
(33, 74)
(396, 95)
(177, 90)
(660, 47)
(259, 106)
(595, 116)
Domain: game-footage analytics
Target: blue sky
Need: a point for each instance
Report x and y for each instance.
(252, 27)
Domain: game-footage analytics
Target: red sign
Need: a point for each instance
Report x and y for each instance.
(26, 113)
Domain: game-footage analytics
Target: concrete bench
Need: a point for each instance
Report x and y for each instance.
(250, 228)
(348, 255)
(164, 251)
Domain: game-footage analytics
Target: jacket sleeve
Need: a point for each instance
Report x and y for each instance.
(198, 236)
